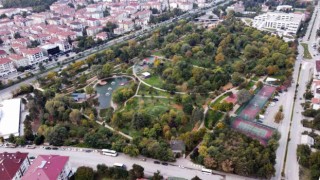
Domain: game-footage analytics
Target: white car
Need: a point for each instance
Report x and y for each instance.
(272, 104)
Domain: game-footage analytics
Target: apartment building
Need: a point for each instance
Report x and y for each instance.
(287, 22)
(49, 167)
(35, 55)
(13, 165)
(18, 60)
(6, 66)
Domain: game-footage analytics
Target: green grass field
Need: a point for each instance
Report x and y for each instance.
(212, 118)
(218, 100)
(155, 81)
(306, 53)
(250, 85)
(148, 91)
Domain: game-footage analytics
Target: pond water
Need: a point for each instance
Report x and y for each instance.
(105, 91)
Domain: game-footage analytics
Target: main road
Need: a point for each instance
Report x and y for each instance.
(91, 159)
(291, 170)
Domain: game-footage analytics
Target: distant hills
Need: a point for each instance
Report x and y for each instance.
(37, 5)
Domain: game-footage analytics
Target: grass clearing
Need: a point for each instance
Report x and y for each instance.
(250, 85)
(149, 91)
(218, 100)
(158, 53)
(155, 81)
(212, 118)
(306, 53)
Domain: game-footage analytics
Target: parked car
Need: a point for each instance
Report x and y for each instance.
(156, 162)
(165, 163)
(47, 148)
(54, 148)
(275, 100)
(30, 147)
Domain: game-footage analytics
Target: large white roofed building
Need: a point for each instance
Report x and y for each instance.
(287, 22)
(10, 117)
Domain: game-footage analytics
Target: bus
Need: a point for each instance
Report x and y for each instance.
(206, 171)
(109, 152)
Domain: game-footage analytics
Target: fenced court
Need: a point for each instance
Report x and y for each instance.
(244, 121)
(251, 110)
(258, 131)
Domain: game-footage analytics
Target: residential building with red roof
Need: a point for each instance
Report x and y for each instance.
(103, 36)
(6, 66)
(49, 167)
(13, 165)
(18, 60)
(3, 53)
(317, 69)
(35, 55)
(92, 31)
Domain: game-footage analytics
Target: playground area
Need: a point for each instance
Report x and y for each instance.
(244, 122)
(144, 65)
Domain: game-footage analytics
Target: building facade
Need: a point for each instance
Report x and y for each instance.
(13, 165)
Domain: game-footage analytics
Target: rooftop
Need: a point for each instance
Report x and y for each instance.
(10, 164)
(9, 118)
(46, 167)
(318, 65)
(4, 60)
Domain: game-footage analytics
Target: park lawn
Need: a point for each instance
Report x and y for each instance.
(149, 91)
(250, 85)
(306, 53)
(155, 81)
(255, 78)
(218, 100)
(212, 118)
(158, 53)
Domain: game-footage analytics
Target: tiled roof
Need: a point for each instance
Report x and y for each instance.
(4, 61)
(46, 167)
(10, 164)
(318, 65)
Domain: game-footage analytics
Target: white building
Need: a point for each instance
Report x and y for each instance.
(6, 66)
(35, 55)
(18, 60)
(10, 117)
(284, 7)
(306, 139)
(286, 22)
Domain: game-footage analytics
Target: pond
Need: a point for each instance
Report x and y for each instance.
(105, 91)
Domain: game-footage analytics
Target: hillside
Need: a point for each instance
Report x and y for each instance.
(37, 5)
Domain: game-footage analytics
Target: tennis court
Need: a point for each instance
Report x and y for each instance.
(257, 131)
(252, 109)
(244, 122)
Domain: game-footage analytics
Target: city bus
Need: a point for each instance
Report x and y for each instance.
(109, 152)
(206, 171)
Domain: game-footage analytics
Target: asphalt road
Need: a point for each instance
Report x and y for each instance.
(292, 165)
(80, 158)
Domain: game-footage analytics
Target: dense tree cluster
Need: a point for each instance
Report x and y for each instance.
(310, 160)
(37, 5)
(231, 51)
(109, 172)
(232, 152)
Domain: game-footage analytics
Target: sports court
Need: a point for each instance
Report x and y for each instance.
(252, 109)
(244, 121)
(257, 131)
